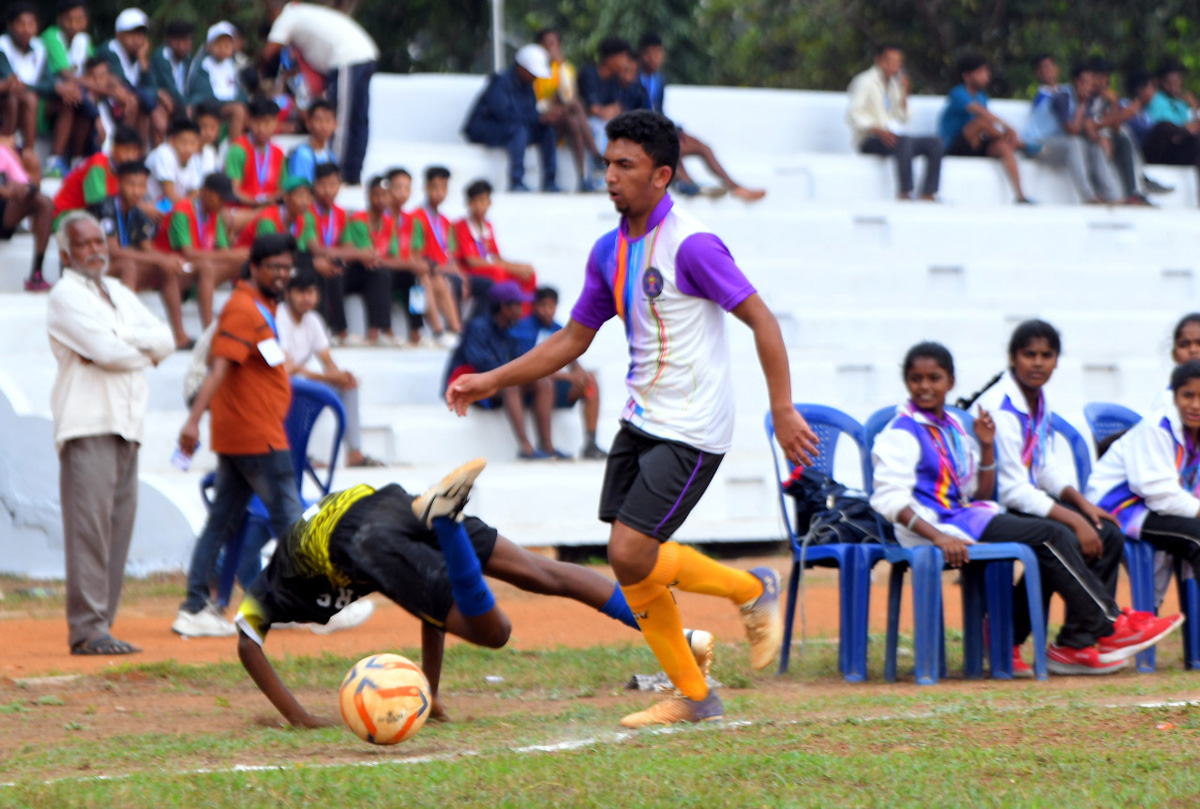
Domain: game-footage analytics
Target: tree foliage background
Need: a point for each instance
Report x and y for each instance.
(813, 44)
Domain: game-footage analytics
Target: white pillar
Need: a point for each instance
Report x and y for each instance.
(498, 35)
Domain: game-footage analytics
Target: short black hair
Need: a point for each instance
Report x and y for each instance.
(545, 293)
(884, 47)
(397, 171)
(1098, 64)
(1136, 80)
(1024, 334)
(262, 107)
(209, 107)
(271, 244)
(126, 135)
(649, 40)
(1168, 67)
(1037, 60)
(970, 63)
(929, 350)
(179, 28)
(132, 167)
(611, 46)
(1184, 374)
(1078, 69)
(94, 61)
(66, 5)
(376, 182)
(17, 9)
(436, 172)
(303, 278)
(541, 35)
(478, 189)
(326, 170)
(182, 124)
(322, 104)
(654, 132)
(1191, 317)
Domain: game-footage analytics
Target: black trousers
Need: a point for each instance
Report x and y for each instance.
(403, 282)
(375, 287)
(1179, 536)
(1087, 587)
(904, 151)
(1172, 145)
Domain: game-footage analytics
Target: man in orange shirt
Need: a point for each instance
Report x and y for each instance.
(249, 391)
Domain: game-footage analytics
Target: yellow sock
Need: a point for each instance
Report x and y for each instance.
(657, 614)
(696, 573)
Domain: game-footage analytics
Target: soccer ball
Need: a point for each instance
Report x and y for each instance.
(385, 699)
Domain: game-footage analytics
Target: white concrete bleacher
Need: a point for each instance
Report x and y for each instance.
(854, 277)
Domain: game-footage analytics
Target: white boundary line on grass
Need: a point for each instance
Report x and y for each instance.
(565, 746)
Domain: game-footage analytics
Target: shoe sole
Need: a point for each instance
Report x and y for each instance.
(701, 644)
(775, 635)
(1024, 674)
(221, 634)
(450, 486)
(1071, 669)
(1127, 652)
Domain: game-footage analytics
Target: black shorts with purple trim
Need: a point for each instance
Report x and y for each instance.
(652, 484)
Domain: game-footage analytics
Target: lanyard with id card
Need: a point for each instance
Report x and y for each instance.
(272, 352)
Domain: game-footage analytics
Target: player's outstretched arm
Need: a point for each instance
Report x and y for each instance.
(433, 644)
(795, 437)
(555, 353)
(264, 676)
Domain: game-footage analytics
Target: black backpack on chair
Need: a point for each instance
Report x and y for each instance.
(828, 513)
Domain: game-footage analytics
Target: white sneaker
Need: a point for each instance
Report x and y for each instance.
(446, 339)
(447, 497)
(353, 340)
(207, 623)
(427, 342)
(351, 616)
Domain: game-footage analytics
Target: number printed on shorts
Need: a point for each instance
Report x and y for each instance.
(345, 597)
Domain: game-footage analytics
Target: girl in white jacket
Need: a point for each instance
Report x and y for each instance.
(928, 473)
(1149, 477)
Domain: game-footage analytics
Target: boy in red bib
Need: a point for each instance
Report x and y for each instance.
(334, 258)
(256, 165)
(433, 238)
(475, 246)
(94, 180)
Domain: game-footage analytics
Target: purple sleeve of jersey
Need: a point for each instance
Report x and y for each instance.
(705, 269)
(595, 304)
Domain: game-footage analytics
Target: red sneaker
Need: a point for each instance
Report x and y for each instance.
(1065, 660)
(36, 283)
(1021, 669)
(1134, 632)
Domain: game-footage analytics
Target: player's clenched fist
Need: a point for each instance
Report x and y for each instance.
(466, 389)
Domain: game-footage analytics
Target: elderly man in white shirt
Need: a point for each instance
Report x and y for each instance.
(333, 44)
(878, 112)
(102, 338)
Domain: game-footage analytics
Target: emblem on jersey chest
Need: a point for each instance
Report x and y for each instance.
(652, 283)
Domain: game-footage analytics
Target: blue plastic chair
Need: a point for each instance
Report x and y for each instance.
(1105, 419)
(240, 555)
(985, 589)
(854, 594)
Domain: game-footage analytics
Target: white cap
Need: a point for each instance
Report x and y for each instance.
(132, 19)
(220, 29)
(536, 60)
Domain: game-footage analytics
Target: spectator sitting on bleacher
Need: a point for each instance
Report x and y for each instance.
(317, 149)
(487, 343)
(250, 391)
(571, 384)
(415, 286)
(253, 162)
(175, 165)
(302, 336)
(40, 91)
(1112, 117)
(431, 239)
(171, 64)
(19, 198)
(1064, 132)
(931, 483)
(213, 76)
(197, 230)
(128, 55)
(94, 180)
(600, 94)
(652, 54)
(373, 233)
(68, 48)
(969, 129)
(558, 105)
(476, 251)
(132, 256)
(1140, 90)
(294, 216)
(104, 92)
(1174, 138)
(877, 113)
(207, 115)
(506, 114)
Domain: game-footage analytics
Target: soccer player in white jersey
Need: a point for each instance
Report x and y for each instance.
(671, 283)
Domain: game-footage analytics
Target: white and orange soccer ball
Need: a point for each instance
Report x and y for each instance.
(385, 699)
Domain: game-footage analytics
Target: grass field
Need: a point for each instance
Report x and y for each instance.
(546, 734)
